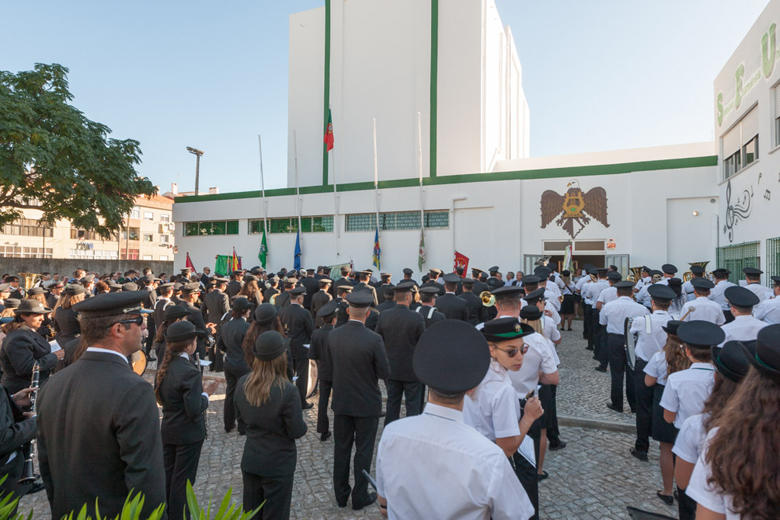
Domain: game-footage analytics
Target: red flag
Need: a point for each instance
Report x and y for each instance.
(190, 264)
(461, 261)
(329, 133)
(234, 262)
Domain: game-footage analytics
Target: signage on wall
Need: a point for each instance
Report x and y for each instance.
(737, 210)
(611, 243)
(575, 208)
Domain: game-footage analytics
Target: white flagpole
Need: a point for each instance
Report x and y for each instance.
(262, 185)
(297, 184)
(420, 173)
(376, 172)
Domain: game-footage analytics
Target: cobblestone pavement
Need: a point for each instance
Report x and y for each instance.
(593, 478)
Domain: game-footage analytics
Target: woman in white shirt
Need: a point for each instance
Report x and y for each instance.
(736, 475)
(731, 366)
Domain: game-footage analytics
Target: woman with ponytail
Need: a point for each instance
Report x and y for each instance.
(179, 390)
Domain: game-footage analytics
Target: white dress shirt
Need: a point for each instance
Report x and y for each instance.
(717, 294)
(768, 311)
(643, 297)
(614, 314)
(415, 452)
(580, 283)
(493, 409)
(657, 367)
(553, 295)
(706, 494)
(703, 309)
(648, 343)
(607, 295)
(690, 440)
(592, 291)
(541, 357)
(688, 291)
(763, 292)
(687, 390)
(743, 328)
(108, 351)
(550, 329)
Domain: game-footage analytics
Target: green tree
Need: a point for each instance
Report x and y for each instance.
(55, 159)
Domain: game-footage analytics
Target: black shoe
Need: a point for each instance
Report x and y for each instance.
(541, 476)
(614, 408)
(325, 436)
(668, 499)
(600, 368)
(370, 499)
(229, 429)
(307, 406)
(639, 454)
(555, 446)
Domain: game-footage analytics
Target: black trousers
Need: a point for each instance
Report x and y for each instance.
(302, 372)
(395, 390)
(644, 406)
(13, 470)
(553, 433)
(617, 370)
(686, 506)
(587, 323)
(232, 375)
(276, 491)
(181, 465)
(322, 406)
(729, 317)
(360, 431)
(526, 474)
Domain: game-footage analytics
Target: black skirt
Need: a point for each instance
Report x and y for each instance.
(567, 306)
(662, 430)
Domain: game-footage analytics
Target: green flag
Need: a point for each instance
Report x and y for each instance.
(263, 255)
(421, 251)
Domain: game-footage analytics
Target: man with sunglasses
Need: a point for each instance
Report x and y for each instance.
(98, 424)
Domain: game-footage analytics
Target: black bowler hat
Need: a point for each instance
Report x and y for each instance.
(503, 329)
(241, 304)
(614, 276)
(269, 345)
(661, 293)
(669, 268)
(328, 310)
(113, 304)
(766, 359)
(12, 303)
(451, 357)
(731, 360)
(507, 291)
(183, 331)
(752, 271)
(700, 334)
(265, 313)
(740, 297)
(407, 271)
(702, 284)
(174, 312)
(36, 290)
(360, 298)
(625, 284)
(534, 296)
(531, 313)
(451, 278)
(672, 326)
(31, 307)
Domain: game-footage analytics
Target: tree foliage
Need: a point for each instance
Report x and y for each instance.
(55, 159)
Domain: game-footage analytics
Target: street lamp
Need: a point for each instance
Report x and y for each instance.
(197, 153)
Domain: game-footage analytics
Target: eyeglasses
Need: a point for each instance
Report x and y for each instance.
(138, 320)
(512, 352)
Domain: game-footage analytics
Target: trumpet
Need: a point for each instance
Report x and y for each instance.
(28, 471)
(488, 300)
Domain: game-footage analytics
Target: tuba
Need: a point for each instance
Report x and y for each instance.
(688, 275)
(488, 300)
(636, 274)
(29, 279)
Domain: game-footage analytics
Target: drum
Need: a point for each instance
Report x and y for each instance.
(313, 379)
(138, 362)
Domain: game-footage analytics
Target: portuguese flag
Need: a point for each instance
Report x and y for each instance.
(329, 133)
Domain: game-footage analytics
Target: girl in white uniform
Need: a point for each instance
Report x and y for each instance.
(731, 366)
(493, 409)
(736, 475)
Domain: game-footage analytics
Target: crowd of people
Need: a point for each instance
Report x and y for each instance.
(471, 360)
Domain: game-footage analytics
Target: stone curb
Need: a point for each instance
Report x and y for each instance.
(596, 424)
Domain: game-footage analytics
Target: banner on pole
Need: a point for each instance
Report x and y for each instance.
(461, 261)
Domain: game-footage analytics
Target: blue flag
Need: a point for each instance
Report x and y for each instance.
(377, 250)
(297, 262)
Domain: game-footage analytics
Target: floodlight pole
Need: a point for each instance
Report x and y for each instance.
(197, 153)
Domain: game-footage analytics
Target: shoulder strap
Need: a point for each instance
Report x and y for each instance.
(430, 312)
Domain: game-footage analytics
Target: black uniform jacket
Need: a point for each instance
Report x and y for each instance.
(430, 314)
(320, 352)
(360, 286)
(233, 288)
(15, 430)
(298, 325)
(271, 430)
(231, 336)
(319, 299)
(66, 324)
(312, 286)
(473, 305)
(453, 307)
(159, 310)
(431, 283)
(195, 317)
(217, 304)
(183, 403)
(99, 437)
(359, 361)
(400, 329)
(20, 350)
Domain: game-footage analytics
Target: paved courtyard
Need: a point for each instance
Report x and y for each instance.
(594, 477)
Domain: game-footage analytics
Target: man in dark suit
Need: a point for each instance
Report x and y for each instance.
(298, 326)
(99, 410)
(344, 280)
(283, 299)
(408, 276)
(53, 296)
(230, 341)
(272, 290)
(428, 297)
(453, 307)
(217, 302)
(473, 302)
(365, 278)
(162, 303)
(321, 353)
(387, 297)
(342, 315)
(433, 280)
(479, 285)
(235, 284)
(321, 297)
(400, 329)
(312, 285)
(359, 362)
(205, 277)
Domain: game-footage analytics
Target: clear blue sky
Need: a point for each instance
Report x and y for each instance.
(598, 75)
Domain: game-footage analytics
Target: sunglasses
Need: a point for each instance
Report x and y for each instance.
(512, 352)
(138, 320)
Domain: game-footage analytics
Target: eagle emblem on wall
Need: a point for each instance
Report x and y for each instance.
(575, 208)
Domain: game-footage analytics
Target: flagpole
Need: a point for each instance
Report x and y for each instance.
(376, 175)
(297, 184)
(262, 184)
(420, 174)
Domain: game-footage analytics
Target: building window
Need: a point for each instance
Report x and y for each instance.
(28, 227)
(216, 227)
(147, 257)
(165, 218)
(135, 212)
(736, 257)
(133, 254)
(772, 260)
(134, 233)
(148, 215)
(163, 258)
(323, 224)
(83, 234)
(165, 239)
(396, 220)
(148, 237)
(740, 144)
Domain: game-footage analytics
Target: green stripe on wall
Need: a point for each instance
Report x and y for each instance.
(433, 122)
(544, 173)
(326, 90)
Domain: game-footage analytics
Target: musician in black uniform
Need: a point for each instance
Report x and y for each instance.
(408, 276)
(364, 278)
(428, 295)
(235, 284)
(162, 303)
(312, 286)
(453, 307)
(344, 280)
(189, 295)
(388, 302)
(473, 302)
(184, 400)
(327, 315)
(99, 409)
(17, 429)
(359, 362)
(283, 299)
(269, 404)
(216, 301)
(172, 314)
(321, 297)
(433, 276)
(24, 346)
(401, 329)
(342, 291)
(230, 340)
(66, 322)
(17, 291)
(298, 326)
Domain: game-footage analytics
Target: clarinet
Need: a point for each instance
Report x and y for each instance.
(28, 473)
(197, 363)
